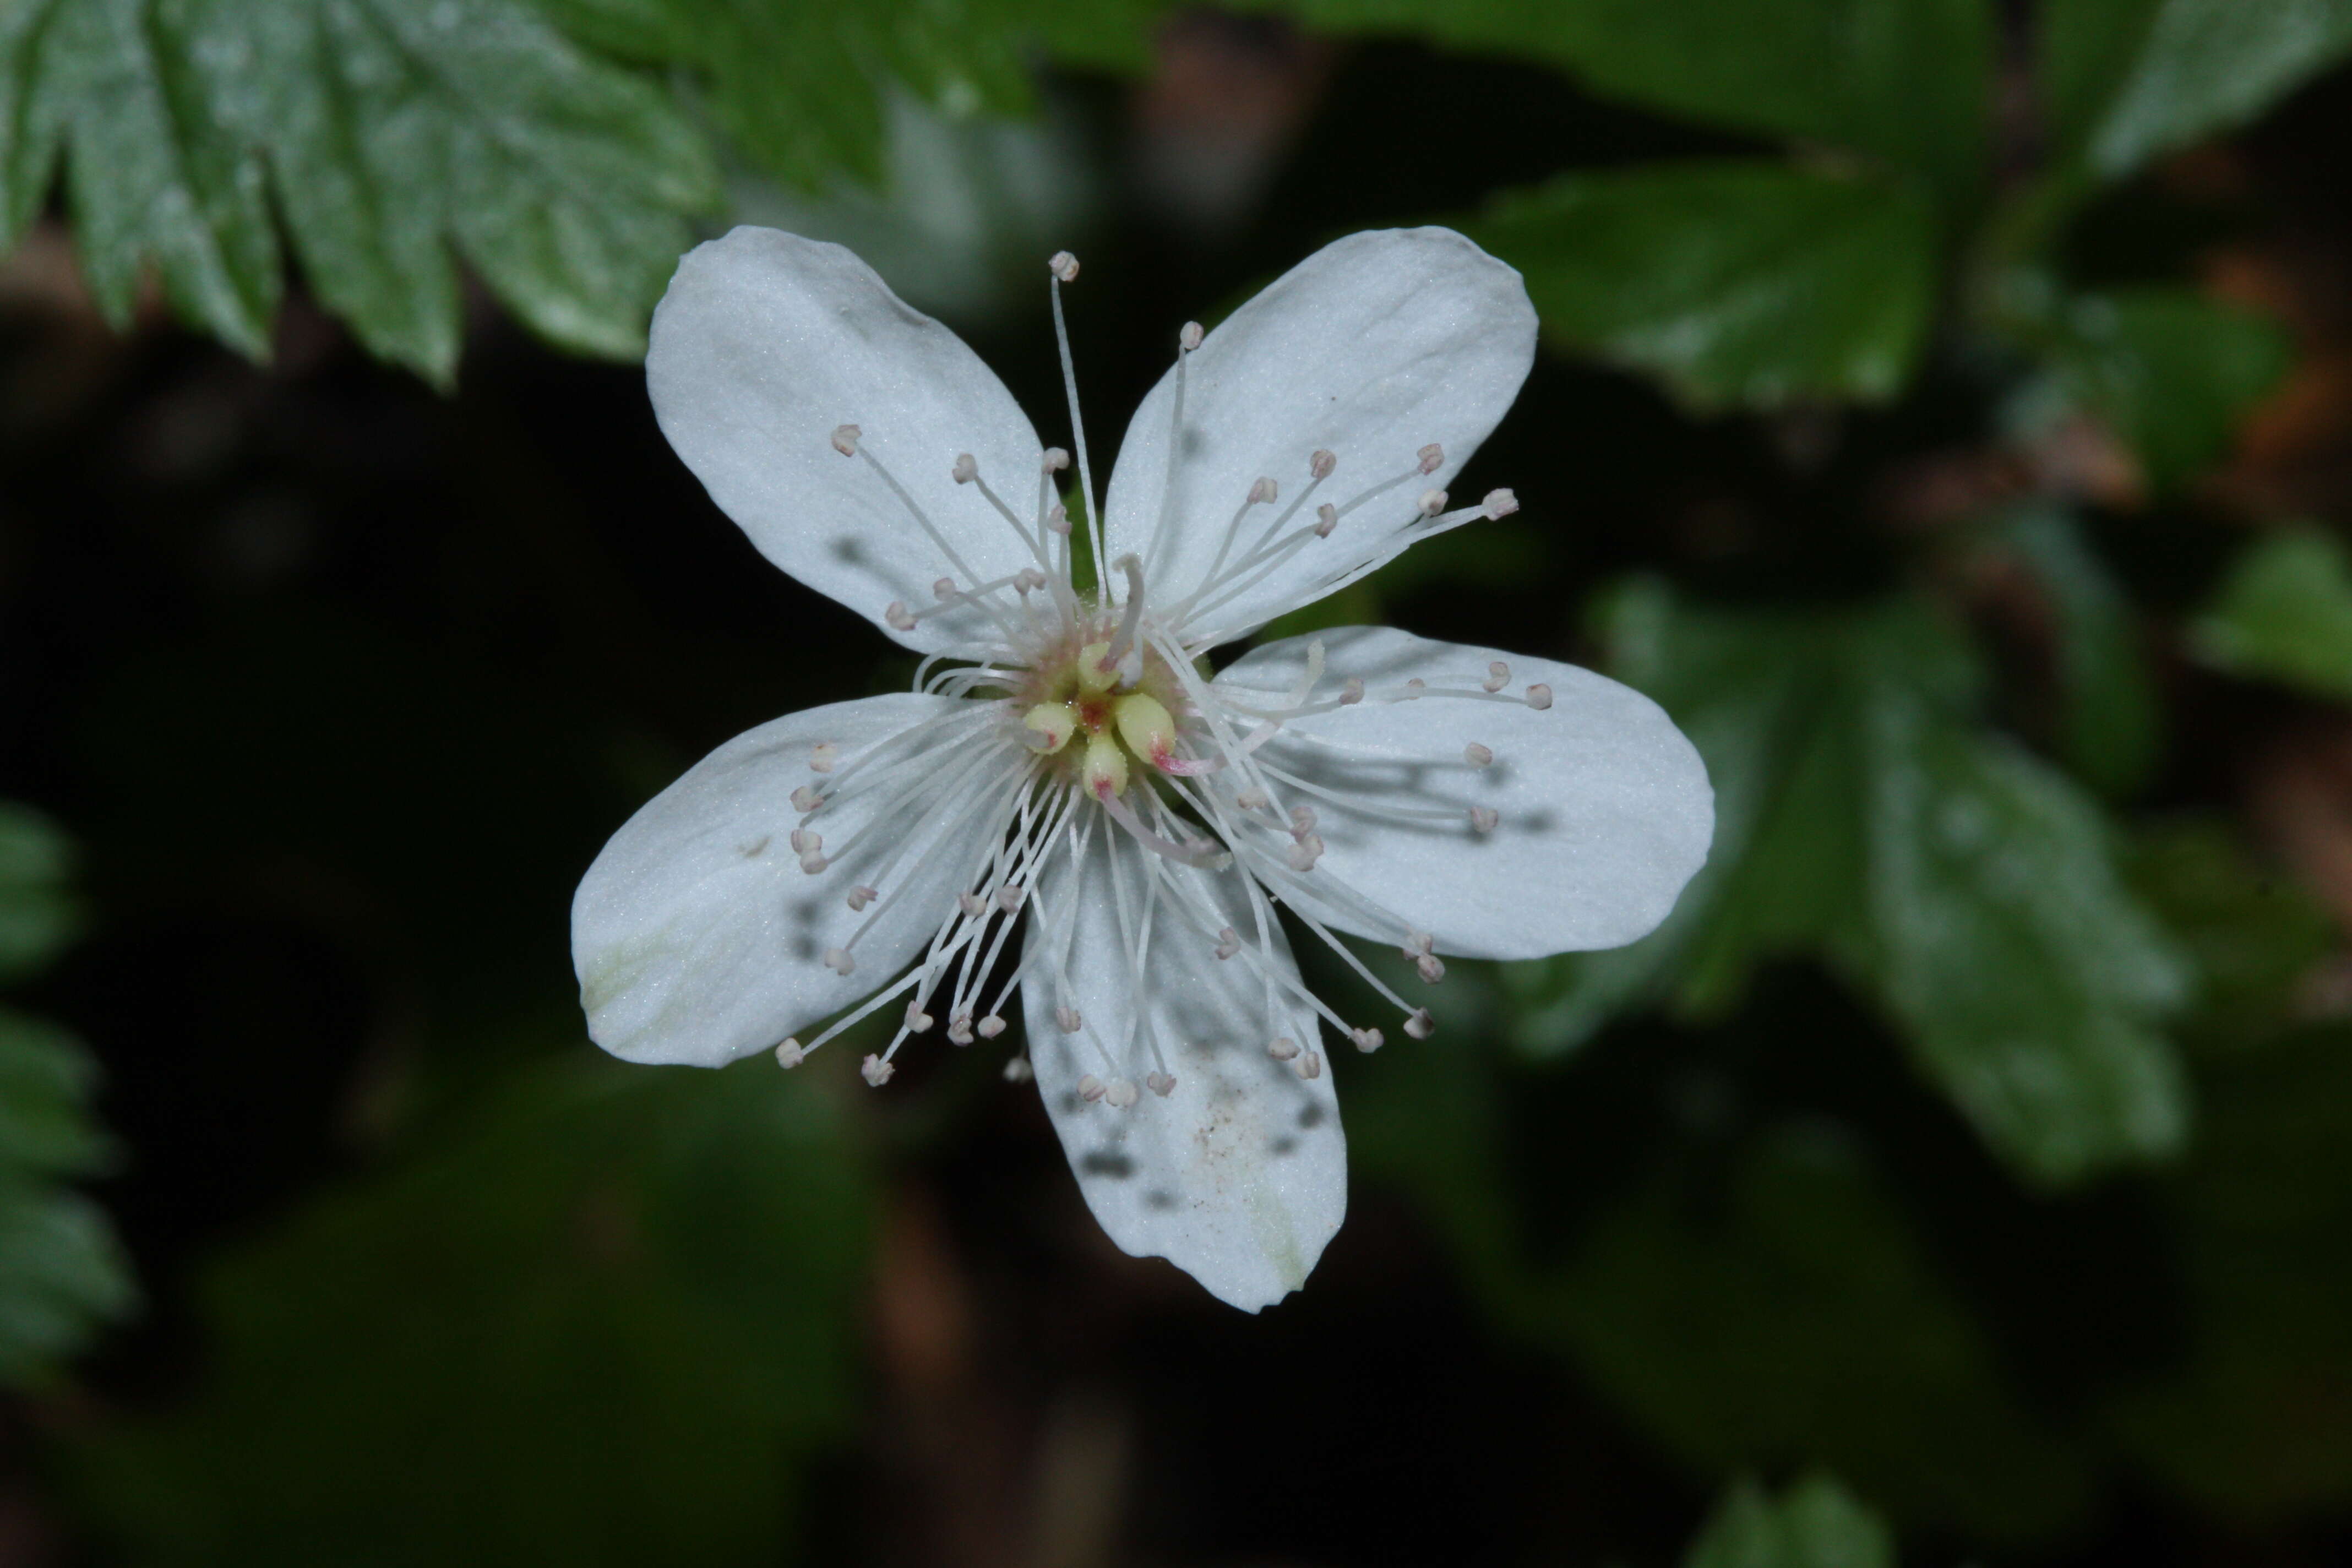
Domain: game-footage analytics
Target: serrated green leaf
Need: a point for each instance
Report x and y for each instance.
(2173, 371)
(1816, 1523)
(1788, 1316)
(384, 130)
(598, 1322)
(1865, 818)
(1745, 284)
(2027, 978)
(1903, 81)
(2284, 614)
(61, 1273)
(2126, 79)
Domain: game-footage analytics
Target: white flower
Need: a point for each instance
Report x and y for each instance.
(1066, 762)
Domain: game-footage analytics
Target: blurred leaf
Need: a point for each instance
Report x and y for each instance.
(1740, 283)
(2109, 714)
(2025, 974)
(2256, 1426)
(2253, 934)
(1814, 1524)
(1790, 1318)
(599, 1323)
(1865, 818)
(2173, 371)
(61, 1273)
(1904, 80)
(799, 87)
(381, 130)
(37, 913)
(2284, 614)
(2126, 79)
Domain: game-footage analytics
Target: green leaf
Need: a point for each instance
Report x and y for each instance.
(1739, 283)
(1816, 1523)
(2284, 614)
(1904, 80)
(61, 1273)
(798, 88)
(2254, 1425)
(2126, 79)
(2108, 717)
(2173, 371)
(39, 914)
(1865, 818)
(2026, 976)
(599, 1323)
(1788, 1316)
(384, 132)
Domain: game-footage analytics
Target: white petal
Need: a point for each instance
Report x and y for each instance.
(1240, 1176)
(765, 345)
(1372, 348)
(698, 937)
(1602, 808)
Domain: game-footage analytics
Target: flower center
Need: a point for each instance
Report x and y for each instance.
(1090, 712)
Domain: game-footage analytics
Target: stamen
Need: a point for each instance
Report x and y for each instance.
(1064, 269)
(1160, 1083)
(1421, 1025)
(1091, 1089)
(789, 1055)
(1067, 1019)
(1433, 457)
(1432, 502)
(875, 1071)
(1498, 676)
(966, 470)
(1539, 697)
(917, 1019)
(1120, 1095)
(1320, 462)
(1282, 1049)
(1483, 819)
(1367, 1040)
(861, 896)
(823, 755)
(990, 1027)
(1478, 756)
(1017, 1070)
(845, 439)
(840, 961)
(1498, 505)
(1309, 1065)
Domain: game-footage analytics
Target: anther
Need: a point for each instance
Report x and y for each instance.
(1306, 852)
(1252, 799)
(875, 1071)
(840, 961)
(1067, 1019)
(917, 1019)
(1120, 1094)
(1091, 1089)
(1327, 518)
(1162, 1084)
(1368, 1040)
(971, 904)
(1228, 943)
(1302, 821)
(1433, 457)
(1055, 460)
(966, 468)
(1188, 337)
(1282, 1049)
(789, 1055)
(1416, 686)
(1309, 1065)
(1421, 1025)
(813, 862)
(1008, 898)
(1432, 502)
(845, 439)
(1430, 967)
(1322, 462)
(959, 1028)
(805, 798)
(1417, 944)
(943, 589)
(1352, 692)
(1539, 697)
(1261, 492)
(898, 618)
(1064, 266)
(802, 840)
(990, 1027)
(1017, 1070)
(1478, 756)
(1499, 504)
(1498, 676)
(1057, 518)
(822, 757)
(1483, 819)
(861, 896)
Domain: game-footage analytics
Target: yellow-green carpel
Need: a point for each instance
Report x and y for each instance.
(1053, 724)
